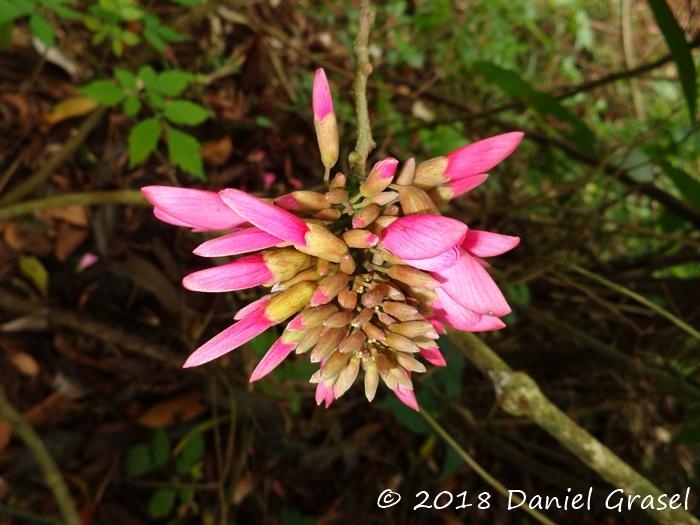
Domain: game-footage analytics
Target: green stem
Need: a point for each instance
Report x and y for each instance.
(52, 474)
(519, 395)
(67, 199)
(365, 142)
(479, 470)
(639, 298)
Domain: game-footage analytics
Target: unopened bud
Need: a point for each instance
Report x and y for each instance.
(366, 216)
(374, 333)
(408, 171)
(334, 365)
(347, 299)
(285, 263)
(371, 379)
(290, 301)
(339, 319)
(401, 343)
(415, 200)
(402, 311)
(338, 181)
(352, 343)
(347, 264)
(329, 214)
(412, 277)
(430, 173)
(329, 341)
(360, 239)
(328, 288)
(379, 177)
(413, 329)
(346, 377)
(410, 363)
(336, 196)
(323, 244)
(310, 339)
(302, 200)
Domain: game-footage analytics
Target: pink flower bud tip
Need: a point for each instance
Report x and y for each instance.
(321, 95)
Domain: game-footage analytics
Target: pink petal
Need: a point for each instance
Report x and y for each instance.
(248, 309)
(197, 208)
(162, 216)
(469, 284)
(277, 353)
(463, 185)
(437, 263)
(433, 356)
(87, 260)
(324, 394)
(243, 241)
(454, 313)
(385, 168)
(487, 244)
(268, 217)
(246, 272)
(486, 324)
(480, 157)
(407, 397)
(230, 339)
(321, 95)
(422, 236)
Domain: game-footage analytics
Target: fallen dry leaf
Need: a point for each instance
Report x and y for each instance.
(25, 363)
(70, 108)
(179, 409)
(74, 214)
(68, 238)
(216, 152)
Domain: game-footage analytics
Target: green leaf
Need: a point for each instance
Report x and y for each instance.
(156, 100)
(138, 460)
(160, 447)
(161, 503)
(34, 270)
(185, 112)
(677, 43)
(514, 85)
(192, 453)
(126, 78)
(185, 151)
(148, 76)
(156, 41)
(143, 140)
(130, 38)
(42, 29)
(131, 106)
(104, 91)
(172, 83)
(5, 34)
(11, 10)
(687, 185)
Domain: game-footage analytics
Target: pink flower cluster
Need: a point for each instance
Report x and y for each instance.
(365, 275)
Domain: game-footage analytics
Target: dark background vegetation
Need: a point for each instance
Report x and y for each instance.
(606, 180)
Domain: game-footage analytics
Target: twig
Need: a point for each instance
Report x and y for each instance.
(365, 142)
(46, 170)
(519, 395)
(10, 302)
(479, 470)
(68, 199)
(52, 474)
(639, 298)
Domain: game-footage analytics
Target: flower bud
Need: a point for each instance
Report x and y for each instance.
(413, 329)
(334, 365)
(410, 363)
(347, 376)
(312, 317)
(285, 263)
(289, 302)
(408, 171)
(323, 244)
(324, 120)
(401, 343)
(328, 288)
(379, 177)
(353, 343)
(360, 239)
(412, 277)
(430, 173)
(303, 200)
(366, 216)
(371, 379)
(328, 342)
(414, 200)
